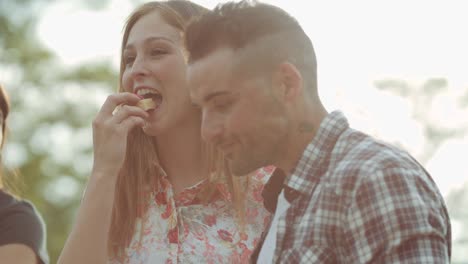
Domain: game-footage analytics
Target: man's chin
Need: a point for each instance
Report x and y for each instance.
(241, 169)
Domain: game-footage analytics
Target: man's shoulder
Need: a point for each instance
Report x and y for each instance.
(354, 145)
(357, 154)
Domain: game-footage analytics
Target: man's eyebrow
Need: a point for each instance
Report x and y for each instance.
(210, 96)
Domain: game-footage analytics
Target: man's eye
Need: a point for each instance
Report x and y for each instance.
(197, 106)
(157, 52)
(222, 104)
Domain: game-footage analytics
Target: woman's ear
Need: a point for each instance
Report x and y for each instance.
(289, 81)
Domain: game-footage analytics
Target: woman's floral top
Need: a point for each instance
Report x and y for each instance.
(182, 229)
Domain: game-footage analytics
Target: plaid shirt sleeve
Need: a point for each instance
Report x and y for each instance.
(361, 201)
(395, 217)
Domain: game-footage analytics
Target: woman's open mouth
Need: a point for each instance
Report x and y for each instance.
(153, 94)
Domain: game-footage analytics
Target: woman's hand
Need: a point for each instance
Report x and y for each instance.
(110, 130)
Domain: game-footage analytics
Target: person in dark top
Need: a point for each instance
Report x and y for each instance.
(22, 229)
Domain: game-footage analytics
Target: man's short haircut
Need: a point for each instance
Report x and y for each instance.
(264, 34)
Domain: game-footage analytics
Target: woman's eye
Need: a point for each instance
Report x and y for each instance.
(129, 60)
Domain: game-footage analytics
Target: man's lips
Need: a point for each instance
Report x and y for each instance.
(227, 149)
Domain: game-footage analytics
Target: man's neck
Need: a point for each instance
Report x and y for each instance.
(301, 134)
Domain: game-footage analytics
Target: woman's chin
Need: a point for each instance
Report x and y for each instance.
(152, 130)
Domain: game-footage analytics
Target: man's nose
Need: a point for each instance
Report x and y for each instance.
(212, 127)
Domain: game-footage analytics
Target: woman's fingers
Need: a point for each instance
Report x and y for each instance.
(110, 131)
(126, 111)
(117, 99)
(117, 108)
(131, 122)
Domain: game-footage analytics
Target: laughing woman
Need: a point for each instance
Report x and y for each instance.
(157, 193)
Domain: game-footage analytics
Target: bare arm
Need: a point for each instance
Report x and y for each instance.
(18, 253)
(87, 242)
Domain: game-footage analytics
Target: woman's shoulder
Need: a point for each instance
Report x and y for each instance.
(20, 210)
(256, 183)
(21, 223)
(262, 175)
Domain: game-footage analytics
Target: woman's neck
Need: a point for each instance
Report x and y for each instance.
(180, 152)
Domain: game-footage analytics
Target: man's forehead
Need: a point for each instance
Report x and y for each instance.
(221, 55)
(211, 71)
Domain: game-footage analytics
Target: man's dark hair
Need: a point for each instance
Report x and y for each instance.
(5, 108)
(266, 34)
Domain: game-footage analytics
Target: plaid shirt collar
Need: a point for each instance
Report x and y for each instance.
(313, 160)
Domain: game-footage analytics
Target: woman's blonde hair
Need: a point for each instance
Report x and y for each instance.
(140, 172)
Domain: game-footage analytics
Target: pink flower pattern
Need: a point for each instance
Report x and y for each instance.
(182, 229)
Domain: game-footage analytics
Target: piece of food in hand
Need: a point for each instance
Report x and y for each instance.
(146, 104)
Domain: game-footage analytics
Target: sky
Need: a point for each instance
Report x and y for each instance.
(356, 42)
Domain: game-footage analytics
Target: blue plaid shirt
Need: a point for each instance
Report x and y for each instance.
(359, 200)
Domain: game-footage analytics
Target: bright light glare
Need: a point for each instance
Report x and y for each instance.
(357, 42)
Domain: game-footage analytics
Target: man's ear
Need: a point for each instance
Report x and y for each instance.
(289, 81)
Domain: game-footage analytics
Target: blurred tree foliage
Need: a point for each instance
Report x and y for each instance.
(50, 139)
(421, 99)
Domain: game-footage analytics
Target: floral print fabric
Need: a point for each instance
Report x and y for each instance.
(183, 229)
